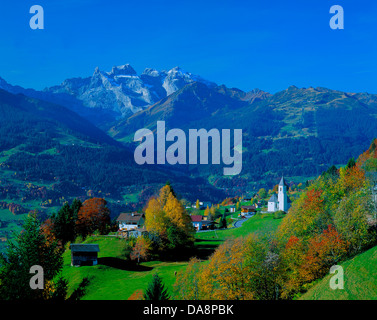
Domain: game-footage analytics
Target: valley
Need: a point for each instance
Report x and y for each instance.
(56, 145)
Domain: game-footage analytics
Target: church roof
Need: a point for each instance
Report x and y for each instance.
(273, 198)
(283, 182)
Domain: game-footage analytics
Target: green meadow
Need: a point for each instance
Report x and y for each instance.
(261, 224)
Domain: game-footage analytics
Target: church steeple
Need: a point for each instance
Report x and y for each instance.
(282, 182)
(281, 202)
(282, 195)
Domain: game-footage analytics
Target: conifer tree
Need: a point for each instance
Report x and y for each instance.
(156, 289)
(223, 223)
(30, 248)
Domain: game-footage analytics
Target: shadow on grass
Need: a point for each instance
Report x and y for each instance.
(121, 264)
(204, 247)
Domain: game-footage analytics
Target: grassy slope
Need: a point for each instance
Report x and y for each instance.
(112, 279)
(360, 280)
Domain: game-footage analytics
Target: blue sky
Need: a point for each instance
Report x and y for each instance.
(245, 44)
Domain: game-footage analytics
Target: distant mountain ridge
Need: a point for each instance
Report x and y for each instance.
(125, 92)
(297, 132)
(107, 96)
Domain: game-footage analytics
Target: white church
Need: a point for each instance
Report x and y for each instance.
(281, 200)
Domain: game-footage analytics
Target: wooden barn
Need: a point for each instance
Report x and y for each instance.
(248, 209)
(84, 254)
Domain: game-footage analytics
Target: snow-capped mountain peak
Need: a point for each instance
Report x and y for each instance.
(123, 91)
(122, 70)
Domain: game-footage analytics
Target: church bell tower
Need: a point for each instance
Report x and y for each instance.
(282, 195)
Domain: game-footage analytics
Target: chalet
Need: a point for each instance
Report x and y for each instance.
(248, 209)
(200, 224)
(129, 221)
(84, 254)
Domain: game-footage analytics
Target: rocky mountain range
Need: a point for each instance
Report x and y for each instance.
(298, 132)
(123, 91)
(112, 95)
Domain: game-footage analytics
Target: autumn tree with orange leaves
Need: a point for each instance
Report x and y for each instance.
(141, 250)
(324, 250)
(93, 216)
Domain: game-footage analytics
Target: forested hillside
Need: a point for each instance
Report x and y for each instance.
(298, 132)
(49, 154)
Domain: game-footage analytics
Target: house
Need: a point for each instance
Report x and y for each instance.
(84, 254)
(248, 209)
(128, 221)
(197, 221)
(232, 209)
(281, 201)
(200, 224)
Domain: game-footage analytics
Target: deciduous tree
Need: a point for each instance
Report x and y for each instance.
(92, 216)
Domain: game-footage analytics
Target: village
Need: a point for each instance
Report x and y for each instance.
(205, 217)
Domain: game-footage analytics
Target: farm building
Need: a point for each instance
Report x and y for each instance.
(248, 209)
(84, 254)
